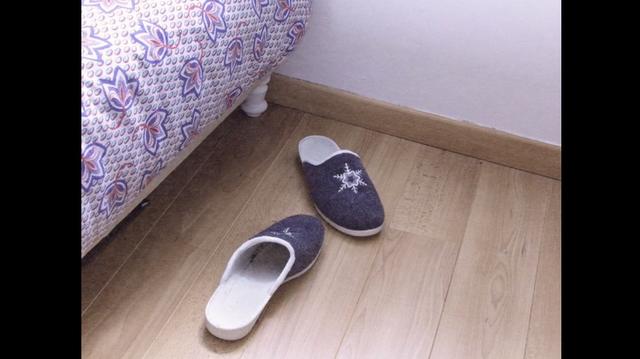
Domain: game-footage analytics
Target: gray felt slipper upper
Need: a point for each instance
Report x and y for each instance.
(340, 187)
(304, 233)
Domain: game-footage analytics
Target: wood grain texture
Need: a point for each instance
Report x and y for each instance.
(466, 267)
(405, 291)
(321, 301)
(430, 129)
(398, 313)
(437, 196)
(130, 311)
(544, 338)
(486, 314)
(310, 322)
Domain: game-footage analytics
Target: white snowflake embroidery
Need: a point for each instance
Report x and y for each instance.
(350, 179)
(287, 232)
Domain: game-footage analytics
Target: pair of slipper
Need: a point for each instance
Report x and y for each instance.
(344, 196)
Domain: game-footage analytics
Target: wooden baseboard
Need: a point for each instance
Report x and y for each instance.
(429, 129)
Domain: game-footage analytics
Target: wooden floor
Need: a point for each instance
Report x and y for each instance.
(468, 265)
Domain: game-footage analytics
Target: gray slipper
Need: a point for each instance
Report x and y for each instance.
(340, 187)
(282, 252)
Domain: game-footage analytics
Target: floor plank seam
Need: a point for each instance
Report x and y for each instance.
(359, 298)
(533, 293)
(455, 266)
(444, 302)
(222, 240)
(135, 248)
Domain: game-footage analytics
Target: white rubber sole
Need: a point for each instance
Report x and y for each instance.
(351, 232)
(230, 334)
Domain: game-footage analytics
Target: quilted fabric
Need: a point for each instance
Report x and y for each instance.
(154, 74)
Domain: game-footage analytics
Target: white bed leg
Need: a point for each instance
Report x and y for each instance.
(255, 104)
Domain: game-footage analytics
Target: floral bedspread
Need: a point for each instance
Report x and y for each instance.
(154, 74)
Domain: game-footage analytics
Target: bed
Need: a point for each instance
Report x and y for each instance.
(157, 78)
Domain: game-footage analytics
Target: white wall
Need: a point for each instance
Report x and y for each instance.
(492, 62)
